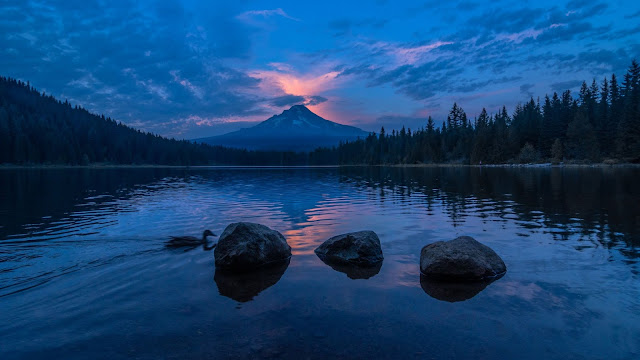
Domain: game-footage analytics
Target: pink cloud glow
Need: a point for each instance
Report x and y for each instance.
(413, 55)
(404, 55)
(529, 33)
(284, 80)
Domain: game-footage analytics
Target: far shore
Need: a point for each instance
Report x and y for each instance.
(536, 165)
(149, 166)
(186, 167)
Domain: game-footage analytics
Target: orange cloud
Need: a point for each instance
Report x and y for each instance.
(284, 80)
(295, 84)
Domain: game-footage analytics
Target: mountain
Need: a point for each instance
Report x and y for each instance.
(296, 129)
(38, 129)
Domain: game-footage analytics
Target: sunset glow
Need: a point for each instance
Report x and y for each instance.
(210, 65)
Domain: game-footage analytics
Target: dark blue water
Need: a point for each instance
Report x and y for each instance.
(84, 273)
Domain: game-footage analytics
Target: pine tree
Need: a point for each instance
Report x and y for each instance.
(480, 152)
(582, 142)
(592, 106)
(615, 116)
(556, 150)
(430, 125)
(629, 126)
(549, 129)
(604, 136)
(454, 120)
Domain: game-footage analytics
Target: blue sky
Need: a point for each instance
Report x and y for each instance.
(189, 69)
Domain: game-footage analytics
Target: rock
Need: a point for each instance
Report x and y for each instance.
(461, 259)
(359, 248)
(453, 291)
(247, 246)
(243, 287)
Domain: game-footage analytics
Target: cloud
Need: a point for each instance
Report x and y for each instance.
(412, 55)
(525, 89)
(247, 15)
(195, 90)
(183, 67)
(396, 122)
(290, 100)
(472, 86)
(565, 85)
(402, 54)
(341, 27)
(512, 20)
(345, 26)
(315, 100)
(602, 61)
(633, 16)
(287, 100)
(287, 81)
(565, 33)
(290, 87)
(125, 72)
(483, 55)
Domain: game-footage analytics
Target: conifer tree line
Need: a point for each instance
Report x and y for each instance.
(35, 128)
(602, 122)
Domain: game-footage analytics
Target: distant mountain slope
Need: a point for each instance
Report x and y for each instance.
(38, 129)
(296, 129)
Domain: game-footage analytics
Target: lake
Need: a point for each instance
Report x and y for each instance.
(84, 272)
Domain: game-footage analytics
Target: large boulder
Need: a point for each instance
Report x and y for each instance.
(247, 246)
(360, 248)
(461, 259)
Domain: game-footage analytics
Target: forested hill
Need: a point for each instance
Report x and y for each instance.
(602, 123)
(38, 129)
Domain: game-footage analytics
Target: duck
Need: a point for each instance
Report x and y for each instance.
(191, 241)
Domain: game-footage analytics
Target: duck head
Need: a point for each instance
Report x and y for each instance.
(208, 233)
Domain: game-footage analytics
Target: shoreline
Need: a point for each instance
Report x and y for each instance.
(178, 167)
(189, 167)
(542, 165)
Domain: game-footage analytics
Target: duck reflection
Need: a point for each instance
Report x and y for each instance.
(453, 291)
(191, 242)
(243, 287)
(353, 271)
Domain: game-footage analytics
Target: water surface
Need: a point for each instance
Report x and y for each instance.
(84, 273)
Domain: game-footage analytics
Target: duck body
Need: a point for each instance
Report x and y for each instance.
(190, 241)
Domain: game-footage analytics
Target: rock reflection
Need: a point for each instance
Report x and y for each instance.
(243, 287)
(353, 271)
(453, 291)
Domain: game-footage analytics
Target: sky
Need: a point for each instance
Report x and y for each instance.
(190, 69)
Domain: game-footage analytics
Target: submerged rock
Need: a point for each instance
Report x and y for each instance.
(247, 246)
(360, 248)
(461, 259)
(243, 287)
(453, 291)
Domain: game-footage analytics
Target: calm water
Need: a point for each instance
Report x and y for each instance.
(84, 274)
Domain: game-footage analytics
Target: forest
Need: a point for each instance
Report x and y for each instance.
(35, 128)
(600, 124)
